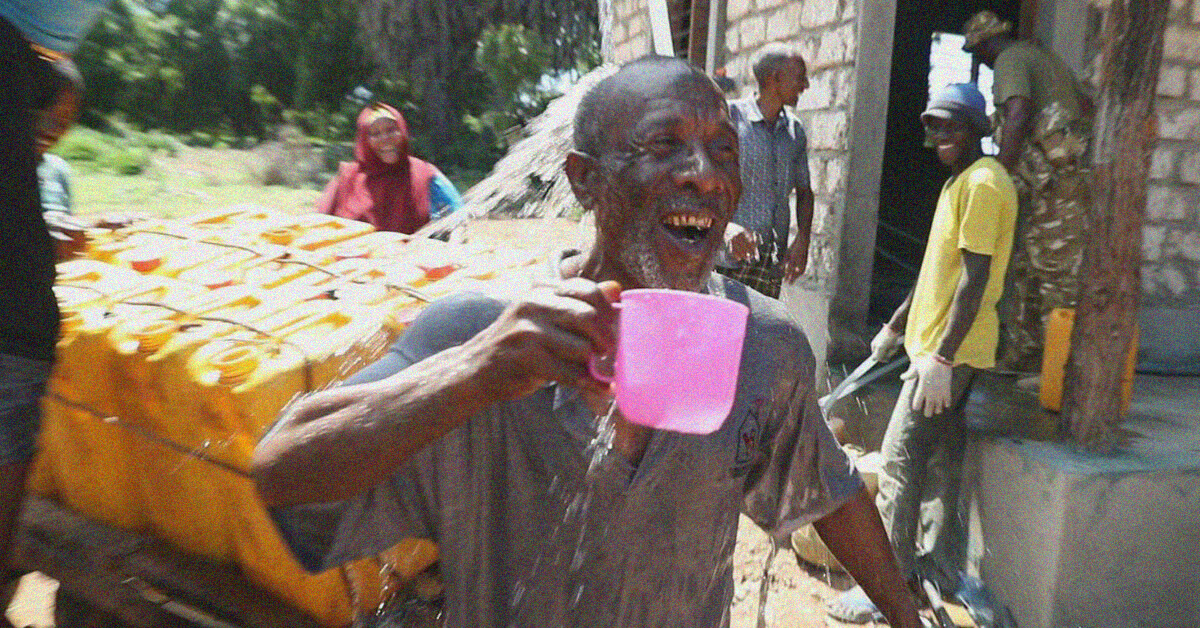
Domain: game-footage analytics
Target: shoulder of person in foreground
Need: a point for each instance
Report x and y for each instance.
(770, 321)
(444, 323)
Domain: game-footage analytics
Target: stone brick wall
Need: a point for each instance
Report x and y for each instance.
(1171, 269)
(826, 33)
(629, 36)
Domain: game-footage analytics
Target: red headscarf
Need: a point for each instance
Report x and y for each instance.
(392, 197)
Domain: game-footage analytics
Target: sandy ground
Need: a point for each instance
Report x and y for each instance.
(796, 595)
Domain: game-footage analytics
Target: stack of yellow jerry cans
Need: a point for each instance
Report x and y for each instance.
(182, 340)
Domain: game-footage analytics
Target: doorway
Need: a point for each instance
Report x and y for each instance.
(926, 55)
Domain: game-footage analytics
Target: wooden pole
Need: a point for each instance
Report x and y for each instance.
(1125, 134)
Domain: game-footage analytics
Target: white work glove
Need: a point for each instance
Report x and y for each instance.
(885, 343)
(933, 384)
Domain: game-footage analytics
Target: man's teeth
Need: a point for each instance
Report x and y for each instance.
(688, 220)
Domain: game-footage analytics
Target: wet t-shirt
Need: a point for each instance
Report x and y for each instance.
(536, 526)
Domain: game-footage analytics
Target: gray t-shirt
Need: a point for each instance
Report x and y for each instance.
(530, 537)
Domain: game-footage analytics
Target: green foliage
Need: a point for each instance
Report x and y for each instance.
(127, 154)
(228, 72)
(433, 43)
(514, 59)
(221, 66)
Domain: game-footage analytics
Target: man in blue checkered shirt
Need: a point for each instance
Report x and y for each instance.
(774, 163)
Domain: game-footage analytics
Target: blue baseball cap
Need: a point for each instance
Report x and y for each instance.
(962, 102)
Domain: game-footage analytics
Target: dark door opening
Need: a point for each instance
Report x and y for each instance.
(912, 175)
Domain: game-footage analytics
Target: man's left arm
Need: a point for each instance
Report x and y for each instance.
(854, 534)
(804, 475)
(797, 256)
(977, 269)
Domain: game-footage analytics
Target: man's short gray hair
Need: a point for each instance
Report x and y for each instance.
(771, 58)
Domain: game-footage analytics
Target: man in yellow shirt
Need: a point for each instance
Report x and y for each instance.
(949, 326)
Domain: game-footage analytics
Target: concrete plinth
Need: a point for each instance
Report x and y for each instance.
(1077, 540)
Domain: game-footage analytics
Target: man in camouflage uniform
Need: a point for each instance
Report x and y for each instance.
(1044, 129)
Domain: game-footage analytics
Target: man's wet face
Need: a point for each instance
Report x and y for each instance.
(670, 179)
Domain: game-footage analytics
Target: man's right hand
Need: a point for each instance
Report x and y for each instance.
(885, 343)
(548, 336)
(741, 243)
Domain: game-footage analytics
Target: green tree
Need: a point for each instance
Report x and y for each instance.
(209, 64)
(433, 42)
(514, 60)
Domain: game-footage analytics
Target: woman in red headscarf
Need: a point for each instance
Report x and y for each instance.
(384, 185)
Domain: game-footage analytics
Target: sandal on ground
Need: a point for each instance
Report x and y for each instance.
(853, 607)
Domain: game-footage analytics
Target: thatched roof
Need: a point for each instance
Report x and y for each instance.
(529, 182)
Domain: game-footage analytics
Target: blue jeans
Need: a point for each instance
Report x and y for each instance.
(22, 383)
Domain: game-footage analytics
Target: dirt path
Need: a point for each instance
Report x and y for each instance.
(796, 597)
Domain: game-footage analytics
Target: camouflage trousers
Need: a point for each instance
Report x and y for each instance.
(1048, 249)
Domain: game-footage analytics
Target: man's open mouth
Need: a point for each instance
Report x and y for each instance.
(689, 228)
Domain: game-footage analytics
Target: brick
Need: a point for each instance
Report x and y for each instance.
(1163, 203)
(1181, 43)
(768, 4)
(827, 131)
(808, 46)
(816, 174)
(1180, 124)
(733, 40)
(849, 9)
(1172, 81)
(843, 89)
(1189, 168)
(792, 13)
(1194, 92)
(1195, 12)
(1152, 241)
(1150, 274)
(1162, 164)
(753, 31)
(809, 17)
(1173, 278)
(819, 94)
(850, 36)
(1189, 245)
(835, 176)
(779, 28)
(827, 11)
(832, 49)
(736, 9)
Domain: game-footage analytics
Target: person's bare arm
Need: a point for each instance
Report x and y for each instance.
(797, 258)
(854, 534)
(1018, 121)
(965, 306)
(899, 319)
(336, 443)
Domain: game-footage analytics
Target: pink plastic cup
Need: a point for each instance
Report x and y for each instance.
(677, 358)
